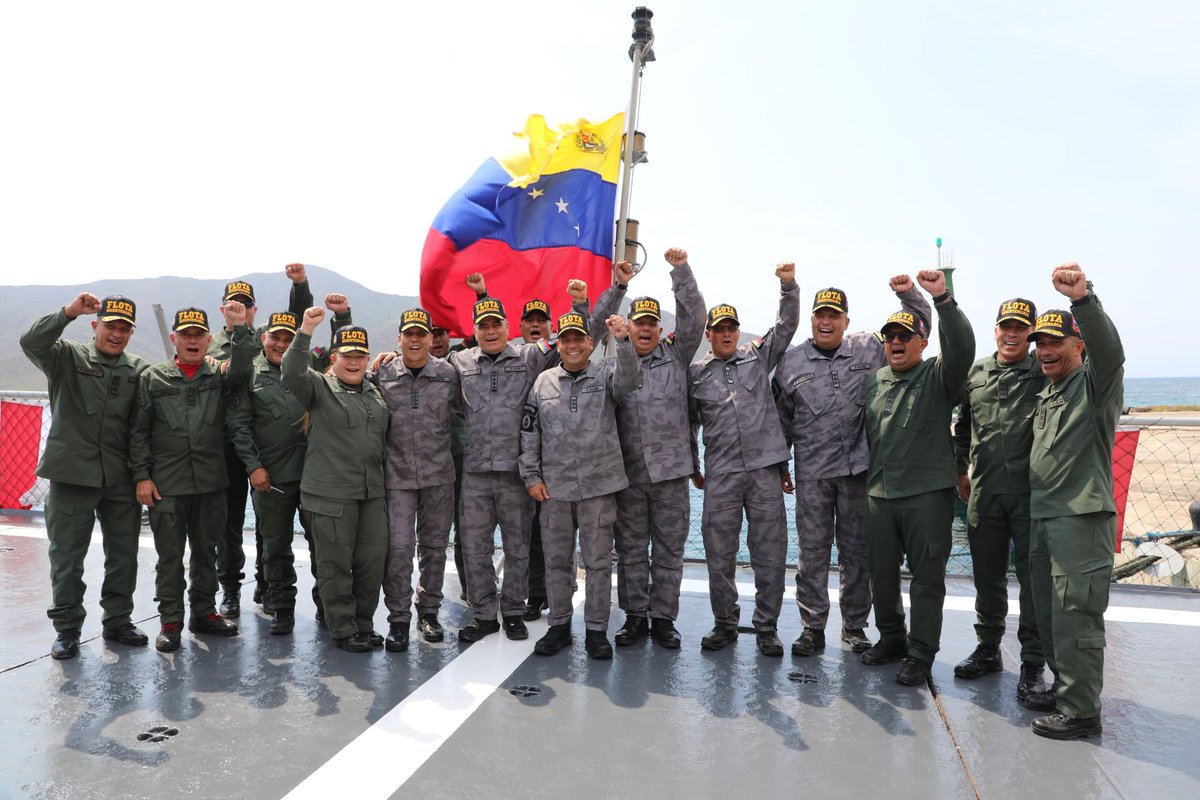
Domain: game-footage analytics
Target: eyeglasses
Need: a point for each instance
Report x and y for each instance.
(900, 336)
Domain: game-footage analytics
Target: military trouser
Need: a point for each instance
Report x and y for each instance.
(71, 513)
(231, 558)
(917, 527)
(276, 513)
(458, 553)
(351, 539)
(593, 518)
(195, 520)
(537, 556)
(758, 493)
(417, 519)
(1071, 561)
(488, 499)
(832, 509)
(651, 514)
(993, 522)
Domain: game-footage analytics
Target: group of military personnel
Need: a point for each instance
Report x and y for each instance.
(383, 457)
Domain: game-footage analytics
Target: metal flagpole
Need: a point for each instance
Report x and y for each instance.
(640, 52)
(161, 318)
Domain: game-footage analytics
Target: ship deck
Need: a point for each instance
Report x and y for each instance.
(264, 716)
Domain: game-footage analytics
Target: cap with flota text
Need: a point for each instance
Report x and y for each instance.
(645, 307)
(282, 321)
(239, 290)
(1018, 309)
(536, 306)
(909, 321)
(718, 314)
(831, 298)
(117, 308)
(416, 318)
(488, 307)
(349, 339)
(191, 318)
(572, 321)
(1057, 323)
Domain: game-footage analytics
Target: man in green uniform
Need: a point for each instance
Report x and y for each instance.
(1074, 520)
(92, 388)
(911, 477)
(231, 558)
(993, 434)
(177, 457)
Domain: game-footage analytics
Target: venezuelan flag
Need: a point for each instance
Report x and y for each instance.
(529, 221)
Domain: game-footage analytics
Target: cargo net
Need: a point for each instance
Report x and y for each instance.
(1160, 544)
(24, 424)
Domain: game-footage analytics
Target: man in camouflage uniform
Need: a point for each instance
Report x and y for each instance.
(1074, 522)
(730, 397)
(423, 395)
(655, 509)
(176, 455)
(92, 389)
(993, 434)
(820, 388)
(231, 558)
(571, 463)
(911, 477)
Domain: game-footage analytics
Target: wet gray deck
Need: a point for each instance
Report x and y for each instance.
(258, 716)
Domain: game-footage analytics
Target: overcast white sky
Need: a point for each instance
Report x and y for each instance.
(215, 139)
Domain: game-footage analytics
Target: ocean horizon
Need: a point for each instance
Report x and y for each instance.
(1141, 392)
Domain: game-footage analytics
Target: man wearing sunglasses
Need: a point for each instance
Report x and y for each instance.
(912, 477)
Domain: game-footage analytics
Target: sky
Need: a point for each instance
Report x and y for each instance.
(217, 139)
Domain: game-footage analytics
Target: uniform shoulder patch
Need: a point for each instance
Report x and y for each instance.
(758, 343)
(529, 416)
(878, 336)
(544, 346)
(670, 338)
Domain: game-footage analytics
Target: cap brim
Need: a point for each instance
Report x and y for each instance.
(1015, 318)
(117, 318)
(899, 325)
(481, 318)
(574, 328)
(412, 325)
(828, 305)
(650, 314)
(287, 328)
(1056, 334)
(723, 318)
(351, 348)
(241, 298)
(188, 327)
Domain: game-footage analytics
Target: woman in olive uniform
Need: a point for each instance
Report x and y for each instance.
(342, 488)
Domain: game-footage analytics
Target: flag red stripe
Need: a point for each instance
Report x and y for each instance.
(20, 436)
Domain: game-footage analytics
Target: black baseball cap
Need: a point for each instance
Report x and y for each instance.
(282, 321)
(416, 318)
(645, 307)
(1057, 323)
(718, 314)
(572, 321)
(191, 317)
(488, 307)
(831, 298)
(1019, 309)
(235, 289)
(536, 306)
(909, 321)
(350, 338)
(117, 308)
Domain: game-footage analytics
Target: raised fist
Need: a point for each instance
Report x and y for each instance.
(901, 283)
(1069, 280)
(617, 326)
(932, 281)
(623, 271)
(577, 289)
(337, 303)
(785, 271)
(296, 273)
(476, 283)
(85, 303)
(676, 257)
(235, 313)
(312, 318)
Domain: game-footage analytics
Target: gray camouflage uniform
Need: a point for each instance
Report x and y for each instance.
(493, 396)
(743, 448)
(821, 400)
(568, 443)
(419, 475)
(655, 509)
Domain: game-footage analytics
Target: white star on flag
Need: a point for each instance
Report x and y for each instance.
(562, 206)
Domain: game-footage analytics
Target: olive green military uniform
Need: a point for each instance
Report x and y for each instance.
(910, 483)
(342, 489)
(231, 558)
(86, 462)
(178, 441)
(993, 434)
(1074, 526)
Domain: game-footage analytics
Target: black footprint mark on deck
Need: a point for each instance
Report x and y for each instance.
(159, 733)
